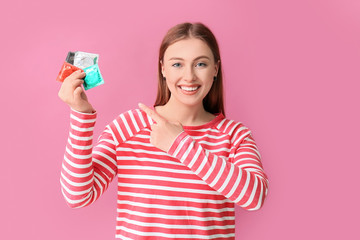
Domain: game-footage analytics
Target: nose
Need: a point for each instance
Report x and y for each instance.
(189, 74)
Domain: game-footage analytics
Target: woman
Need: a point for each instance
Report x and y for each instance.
(180, 166)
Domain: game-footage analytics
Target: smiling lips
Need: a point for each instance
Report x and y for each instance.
(189, 90)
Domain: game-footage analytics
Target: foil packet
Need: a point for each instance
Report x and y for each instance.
(66, 70)
(83, 59)
(93, 77)
(70, 58)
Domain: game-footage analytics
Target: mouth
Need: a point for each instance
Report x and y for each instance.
(189, 89)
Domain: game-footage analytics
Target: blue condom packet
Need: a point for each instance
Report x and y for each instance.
(93, 77)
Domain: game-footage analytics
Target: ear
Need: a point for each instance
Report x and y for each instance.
(162, 68)
(217, 66)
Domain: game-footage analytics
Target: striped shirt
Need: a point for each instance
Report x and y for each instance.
(186, 193)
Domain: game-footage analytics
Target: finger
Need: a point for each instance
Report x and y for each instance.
(77, 75)
(151, 113)
(77, 93)
(77, 82)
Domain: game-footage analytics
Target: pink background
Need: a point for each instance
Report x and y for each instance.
(291, 75)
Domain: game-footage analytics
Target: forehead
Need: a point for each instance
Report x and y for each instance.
(188, 49)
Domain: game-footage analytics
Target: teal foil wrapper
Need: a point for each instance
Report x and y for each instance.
(93, 77)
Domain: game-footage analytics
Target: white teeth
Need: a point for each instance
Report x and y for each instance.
(189, 88)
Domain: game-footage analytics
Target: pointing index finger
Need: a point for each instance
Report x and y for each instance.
(151, 113)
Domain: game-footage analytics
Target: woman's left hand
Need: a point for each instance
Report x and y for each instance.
(163, 132)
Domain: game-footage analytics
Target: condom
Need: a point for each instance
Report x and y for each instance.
(70, 57)
(93, 77)
(83, 59)
(66, 70)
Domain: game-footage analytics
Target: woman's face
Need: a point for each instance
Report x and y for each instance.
(189, 68)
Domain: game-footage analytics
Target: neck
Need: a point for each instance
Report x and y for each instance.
(186, 115)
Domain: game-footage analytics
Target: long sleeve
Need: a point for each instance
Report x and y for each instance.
(240, 177)
(86, 171)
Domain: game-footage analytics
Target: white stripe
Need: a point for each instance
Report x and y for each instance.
(245, 187)
(119, 131)
(208, 131)
(126, 125)
(203, 162)
(247, 165)
(75, 184)
(112, 142)
(236, 184)
(107, 148)
(134, 121)
(173, 236)
(113, 161)
(226, 141)
(150, 120)
(180, 146)
(148, 159)
(258, 205)
(239, 139)
(171, 189)
(122, 237)
(71, 201)
(246, 153)
(219, 174)
(170, 170)
(217, 137)
(196, 156)
(246, 159)
(104, 165)
(233, 128)
(252, 195)
(174, 217)
(211, 169)
(187, 152)
(160, 153)
(228, 124)
(80, 129)
(160, 178)
(80, 138)
(138, 143)
(99, 185)
(173, 226)
(172, 198)
(74, 193)
(221, 123)
(227, 180)
(77, 156)
(79, 147)
(98, 176)
(141, 117)
(75, 165)
(77, 175)
(173, 207)
(82, 120)
(219, 150)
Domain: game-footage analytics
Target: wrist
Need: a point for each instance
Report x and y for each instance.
(84, 110)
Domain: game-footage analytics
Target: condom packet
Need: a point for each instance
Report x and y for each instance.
(70, 57)
(66, 70)
(83, 59)
(93, 77)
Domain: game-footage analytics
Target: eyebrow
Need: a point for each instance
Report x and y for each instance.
(178, 58)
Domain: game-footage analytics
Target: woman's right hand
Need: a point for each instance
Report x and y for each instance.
(72, 93)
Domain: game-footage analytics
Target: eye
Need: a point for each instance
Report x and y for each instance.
(201, 64)
(176, 65)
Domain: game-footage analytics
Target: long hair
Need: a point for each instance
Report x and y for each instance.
(213, 102)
